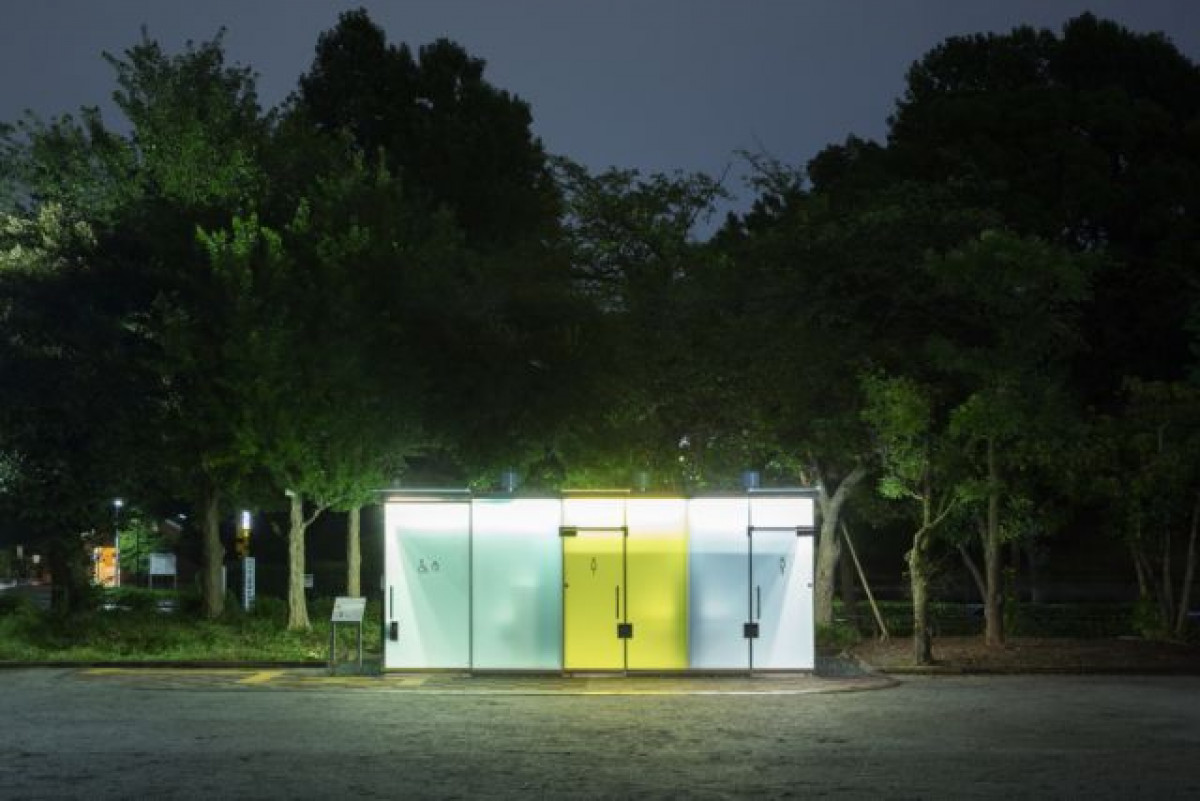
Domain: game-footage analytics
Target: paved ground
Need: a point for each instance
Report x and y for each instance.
(289, 734)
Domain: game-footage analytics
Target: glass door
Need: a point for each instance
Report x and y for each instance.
(593, 600)
(781, 573)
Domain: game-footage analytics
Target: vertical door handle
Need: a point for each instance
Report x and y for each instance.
(618, 588)
(758, 599)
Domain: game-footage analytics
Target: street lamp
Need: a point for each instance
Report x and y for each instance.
(117, 504)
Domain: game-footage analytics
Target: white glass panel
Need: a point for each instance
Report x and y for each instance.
(517, 596)
(429, 584)
(774, 511)
(584, 512)
(781, 592)
(718, 598)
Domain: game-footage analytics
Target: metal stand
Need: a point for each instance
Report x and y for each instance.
(333, 645)
(346, 610)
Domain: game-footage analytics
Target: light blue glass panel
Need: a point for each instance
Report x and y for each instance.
(718, 596)
(429, 584)
(781, 588)
(518, 584)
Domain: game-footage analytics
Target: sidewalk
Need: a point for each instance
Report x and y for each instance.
(835, 674)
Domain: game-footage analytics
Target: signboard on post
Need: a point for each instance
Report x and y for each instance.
(308, 581)
(162, 564)
(248, 588)
(346, 610)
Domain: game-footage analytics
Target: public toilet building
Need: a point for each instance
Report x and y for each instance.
(598, 582)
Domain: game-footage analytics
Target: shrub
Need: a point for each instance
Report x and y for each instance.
(838, 637)
(16, 604)
(268, 607)
(136, 599)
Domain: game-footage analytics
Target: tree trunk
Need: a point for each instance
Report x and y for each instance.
(213, 553)
(1035, 559)
(1189, 574)
(297, 604)
(68, 574)
(353, 552)
(993, 611)
(829, 546)
(1167, 598)
(1143, 590)
(918, 576)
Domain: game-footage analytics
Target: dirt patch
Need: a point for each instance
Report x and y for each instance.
(1039, 654)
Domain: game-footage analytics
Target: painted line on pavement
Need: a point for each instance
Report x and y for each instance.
(137, 671)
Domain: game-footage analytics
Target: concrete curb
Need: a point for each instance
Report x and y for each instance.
(1081, 670)
(198, 664)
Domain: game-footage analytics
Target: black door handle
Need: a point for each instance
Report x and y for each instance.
(758, 599)
(618, 588)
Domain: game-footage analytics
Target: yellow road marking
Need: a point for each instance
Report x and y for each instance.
(261, 677)
(137, 671)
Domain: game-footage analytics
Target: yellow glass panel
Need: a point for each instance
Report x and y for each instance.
(593, 601)
(657, 574)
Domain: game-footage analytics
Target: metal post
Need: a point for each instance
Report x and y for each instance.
(117, 504)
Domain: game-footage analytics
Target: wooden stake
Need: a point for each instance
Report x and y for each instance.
(883, 632)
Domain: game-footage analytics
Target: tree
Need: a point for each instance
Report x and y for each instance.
(1083, 140)
(69, 404)
(1005, 329)
(198, 135)
(918, 467)
(661, 403)
(1147, 459)
(455, 140)
(833, 288)
(190, 161)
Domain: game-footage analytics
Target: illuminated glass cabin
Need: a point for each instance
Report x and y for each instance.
(598, 581)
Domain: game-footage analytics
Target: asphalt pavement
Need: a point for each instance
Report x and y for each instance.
(263, 733)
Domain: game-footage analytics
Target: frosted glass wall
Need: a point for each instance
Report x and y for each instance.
(718, 578)
(781, 583)
(656, 573)
(517, 598)
(551, 584)
(428, 584)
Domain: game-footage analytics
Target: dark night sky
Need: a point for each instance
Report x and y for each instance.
(661, 85)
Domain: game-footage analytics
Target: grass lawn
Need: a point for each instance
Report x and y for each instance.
(133, 628)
